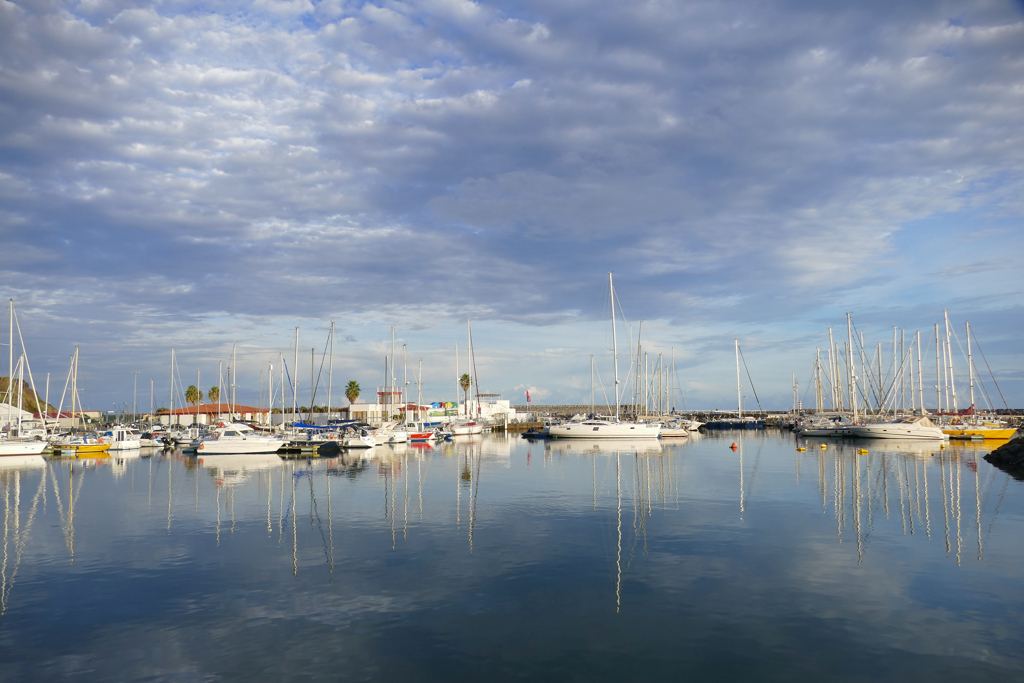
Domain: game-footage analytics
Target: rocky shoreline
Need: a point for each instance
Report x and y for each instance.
(1009, 458)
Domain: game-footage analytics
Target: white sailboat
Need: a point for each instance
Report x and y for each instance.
(607, 429)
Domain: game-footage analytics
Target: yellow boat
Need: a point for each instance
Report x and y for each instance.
(984, 430)
(88, 445)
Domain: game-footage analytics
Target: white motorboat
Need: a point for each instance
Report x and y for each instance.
(466, 428)
(361, 439)
(238, 438)
(122, 439)
(908, 428)
(676, 429)
(391, 433)
(605, 429)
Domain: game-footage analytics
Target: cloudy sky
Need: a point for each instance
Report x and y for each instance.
(193, 175)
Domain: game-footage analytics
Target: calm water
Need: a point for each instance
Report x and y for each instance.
(497, 559)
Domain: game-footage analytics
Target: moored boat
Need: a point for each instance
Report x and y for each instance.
(919, 427)
(238, 438)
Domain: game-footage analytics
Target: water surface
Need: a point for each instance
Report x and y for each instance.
(501, 559)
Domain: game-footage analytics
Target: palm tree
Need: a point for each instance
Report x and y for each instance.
(465, 383)
(352, 391)
(192, 395)
(214, 395)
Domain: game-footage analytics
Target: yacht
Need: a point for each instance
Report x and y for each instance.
(604, 429)
(238, 438)
(918, 427)
(122, 439)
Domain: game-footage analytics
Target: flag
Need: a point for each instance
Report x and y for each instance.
(527, 395)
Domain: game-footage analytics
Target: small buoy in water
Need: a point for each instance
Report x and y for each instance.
(824, 446)
(734, 446)
(862, 451)
(801, 449)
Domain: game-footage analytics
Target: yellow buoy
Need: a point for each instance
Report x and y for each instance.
(801, 449)
(824, 446)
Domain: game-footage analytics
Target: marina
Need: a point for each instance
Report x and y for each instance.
(505, 558)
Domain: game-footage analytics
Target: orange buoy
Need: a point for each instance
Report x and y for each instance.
(734, 446)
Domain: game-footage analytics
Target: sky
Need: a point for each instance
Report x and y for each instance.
(203, 176)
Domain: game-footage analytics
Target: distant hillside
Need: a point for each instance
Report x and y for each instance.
(30, 401)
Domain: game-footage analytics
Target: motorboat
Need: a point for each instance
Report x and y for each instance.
(362, 438)
(605, 429)
(678, 429)
(466, 428)
(919, 427)
(122, 439)
(238, 438)
(391, 433)
(417, 431)
(88, 444)
(828, 426)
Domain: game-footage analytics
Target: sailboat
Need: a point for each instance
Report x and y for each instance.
(607, 429)
(18, 446)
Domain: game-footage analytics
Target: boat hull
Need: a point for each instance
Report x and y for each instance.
(615, 430)
(21, 448)
(999, 433)
(896, 431)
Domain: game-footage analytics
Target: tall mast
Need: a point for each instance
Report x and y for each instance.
(270, 393)
(949, 359)
(295, 382)
(638, 382)
(10, 365)
(591, 384)
(405, 386)
(74, 392)
(170, 414)
(615, 347)
(970, 365)
(391, 395)
(234, 362)
(739, 386)
(920, 374)
(457, 377)
(852, 368)
(938, 375)
(330, 375)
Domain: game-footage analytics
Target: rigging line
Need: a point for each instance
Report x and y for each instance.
(990, 370)
(319, 374)
(603, 390)
(750, 380)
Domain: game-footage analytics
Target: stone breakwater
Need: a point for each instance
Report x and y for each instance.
(1010, 458)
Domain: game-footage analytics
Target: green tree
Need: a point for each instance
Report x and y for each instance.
(352, 391)
(465, 383)
(214, 395)
(192, 395)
